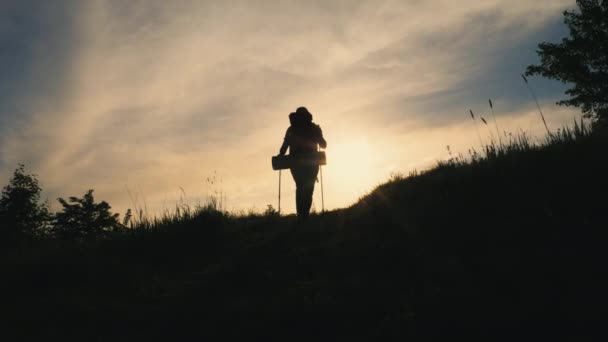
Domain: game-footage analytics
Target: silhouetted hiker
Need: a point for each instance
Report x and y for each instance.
(302, 138)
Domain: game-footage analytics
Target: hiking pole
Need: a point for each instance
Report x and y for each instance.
(322, 197)
(279, 192)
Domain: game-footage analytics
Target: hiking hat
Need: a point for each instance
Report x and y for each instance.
(304, 112)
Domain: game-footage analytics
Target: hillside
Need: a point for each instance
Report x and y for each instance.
(506, 245)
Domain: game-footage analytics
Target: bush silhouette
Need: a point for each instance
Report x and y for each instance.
(271, 211)
(21, 211)
(82, 218)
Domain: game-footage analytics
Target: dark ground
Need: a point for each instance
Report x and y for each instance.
(509, 247)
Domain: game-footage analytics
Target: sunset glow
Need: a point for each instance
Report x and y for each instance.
(149, 97)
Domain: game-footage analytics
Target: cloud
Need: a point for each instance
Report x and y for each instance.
(154, 95)
(36, 45)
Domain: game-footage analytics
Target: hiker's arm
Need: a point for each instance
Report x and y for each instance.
(321, 140)
(284, 147)
(285, 143)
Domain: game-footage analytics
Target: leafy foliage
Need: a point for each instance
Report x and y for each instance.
(21, 211)
(271, 211)
(581, 59)
(83, 218)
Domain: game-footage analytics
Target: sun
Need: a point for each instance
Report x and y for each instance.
(351, 170)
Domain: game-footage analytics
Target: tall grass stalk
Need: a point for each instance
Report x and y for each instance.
(476, 128)
(537, 105)
(495, 122)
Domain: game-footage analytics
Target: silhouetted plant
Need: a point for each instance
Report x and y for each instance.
(476, 129)
(21, 211)
(580, 59)
(270, 211)
(540, 111)
(495, 122)
(126, 221)
(84, 218)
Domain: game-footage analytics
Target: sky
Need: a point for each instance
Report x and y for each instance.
(154, 103)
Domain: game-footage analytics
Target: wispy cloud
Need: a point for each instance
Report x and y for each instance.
(154, 95)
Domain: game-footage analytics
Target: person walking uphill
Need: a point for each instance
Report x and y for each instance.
(302, 138)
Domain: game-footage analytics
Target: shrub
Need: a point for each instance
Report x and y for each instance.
(83, 218)
(21, 211)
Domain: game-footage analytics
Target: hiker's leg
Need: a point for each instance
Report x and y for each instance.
(297, 177)
(307, 199)
(309, 187)
(300, 200)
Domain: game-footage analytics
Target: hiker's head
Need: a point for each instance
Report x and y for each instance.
(304, 114)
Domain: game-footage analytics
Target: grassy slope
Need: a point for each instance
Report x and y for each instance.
(505, 245)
